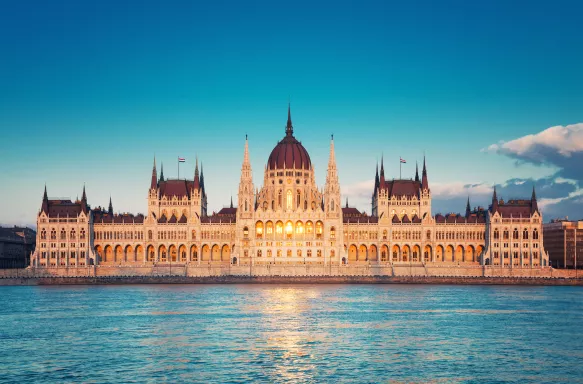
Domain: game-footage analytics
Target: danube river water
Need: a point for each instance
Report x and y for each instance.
(291, 333)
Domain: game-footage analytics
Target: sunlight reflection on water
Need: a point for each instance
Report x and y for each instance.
(291, 333)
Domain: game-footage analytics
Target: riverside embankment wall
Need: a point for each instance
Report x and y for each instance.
(412, 273)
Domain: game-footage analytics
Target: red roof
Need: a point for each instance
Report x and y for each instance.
(408, 188)
(63, 208)
(178, 188)
(289, 153)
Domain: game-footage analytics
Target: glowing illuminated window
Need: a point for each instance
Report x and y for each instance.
(299, 228)
(269, 228)
(289, 229)
(309, 253)
(279, 253)
(289, 200)
(299, 253)
(309, 228)
(319, 229)
(259, 230)
(289, 253)
(245, 232)
(279, 228)
(269, 253)
(319, 253)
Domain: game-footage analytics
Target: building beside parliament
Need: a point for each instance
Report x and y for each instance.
(289, 220)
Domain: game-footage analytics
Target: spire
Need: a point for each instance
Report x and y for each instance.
(45, 204)
(161, 171)
(424, 182)
(84, 200)
(494, 201)
(154, 182)
(231, 201)
(196, 177)
(110, 209)
(347, 202)
(468, 209)
(289, 129)
(382, 166)
(533, 202)
(376, 179)
(202, 180)
(416, 172)
(246, 154)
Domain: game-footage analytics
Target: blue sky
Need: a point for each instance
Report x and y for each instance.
(90, 91)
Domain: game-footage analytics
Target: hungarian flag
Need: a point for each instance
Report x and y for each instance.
(181, 159)
(402, 160)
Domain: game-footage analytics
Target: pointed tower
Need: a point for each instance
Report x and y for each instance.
(154, 181)
(494, 201)
(196, 185)
(424, 182)
(468, 209)
(161, 172)
(425, 193)
(376, 180)
(45, 203)
(110, 209)
(84, 206)
(416, 172)
(332, 187)
(533, 202)
(203, 197)
(289, 128)
(245, 195)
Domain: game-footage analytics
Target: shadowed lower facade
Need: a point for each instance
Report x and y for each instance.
(289, 220)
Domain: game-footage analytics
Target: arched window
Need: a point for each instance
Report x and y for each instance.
(496, 234)
(298, 199)
(269, 228)
(279, 229)
(525, 234)
(515, 234)
(289, 229)
(506, 234)
(272, 205)
(535, 234)
(428, 235)
(246, 208)
(332, 205)
(385, 234)
(269, 253)
(289, 200)
(305, 205)
(265, 205)
(309, 228)
(72, 236)
(259, 230)
(193, 234)
(332, 233)
(63, 234)
(319, 229)
(279, 198)
(299, 228)
(43, 234)
(245, 232)
(259, 253)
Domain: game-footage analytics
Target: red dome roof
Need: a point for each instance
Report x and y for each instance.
(289, 153)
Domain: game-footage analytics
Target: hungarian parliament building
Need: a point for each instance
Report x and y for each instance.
(289, 221)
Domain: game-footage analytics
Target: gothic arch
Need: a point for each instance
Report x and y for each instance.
(448, 253)
(162, 253)
(459, 253)
(206, 253)
(139, 253)
(373, 253)
(362, 253)
(151, 253)
(119, 256)
(352, 253)
(129, 254)
(216, 253)
(396, 253)
(439, 253)
(470, 253)
(416, 254)
(225, 253)
(182, 256)
(406, 253)
(193, 253)
(427, 253)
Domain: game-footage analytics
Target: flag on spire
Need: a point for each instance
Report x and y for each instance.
(403, 161)
(181, 159)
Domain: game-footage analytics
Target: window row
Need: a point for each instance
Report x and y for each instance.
(63, 234)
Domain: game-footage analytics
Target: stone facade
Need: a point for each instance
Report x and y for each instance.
(289, 221)
(564, 243)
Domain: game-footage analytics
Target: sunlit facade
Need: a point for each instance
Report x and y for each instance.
(289, 220)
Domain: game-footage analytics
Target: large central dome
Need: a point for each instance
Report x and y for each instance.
(289, 153)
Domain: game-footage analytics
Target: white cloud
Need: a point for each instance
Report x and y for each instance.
(459, 189)
(544, 146)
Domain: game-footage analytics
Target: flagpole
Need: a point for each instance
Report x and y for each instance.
(400, 167)
(178, 167)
